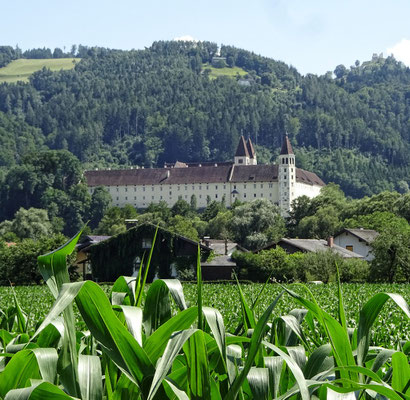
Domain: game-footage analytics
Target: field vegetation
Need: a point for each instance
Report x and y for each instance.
(154, 343)
(22, 69)
(231, 72)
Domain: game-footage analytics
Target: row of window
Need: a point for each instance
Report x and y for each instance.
(178, 188)
(186, 197)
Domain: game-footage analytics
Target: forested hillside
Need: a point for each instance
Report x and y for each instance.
(147, 107)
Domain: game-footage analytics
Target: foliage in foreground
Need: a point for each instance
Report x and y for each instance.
(150, 352)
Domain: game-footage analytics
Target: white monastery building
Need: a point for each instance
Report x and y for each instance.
(242, 179)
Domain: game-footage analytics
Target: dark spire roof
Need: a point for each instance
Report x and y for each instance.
(286, 146)
(242, 150)
(251, 150)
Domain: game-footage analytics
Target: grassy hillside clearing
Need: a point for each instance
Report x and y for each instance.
(226, 71)
(20, 70)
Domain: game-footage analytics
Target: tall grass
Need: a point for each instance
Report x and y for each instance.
(137, 346)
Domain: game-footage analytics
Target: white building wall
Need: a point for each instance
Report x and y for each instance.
(141, 196)
(305, 189)
(359, 246)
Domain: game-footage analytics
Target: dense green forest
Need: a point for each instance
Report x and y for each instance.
(147, 107)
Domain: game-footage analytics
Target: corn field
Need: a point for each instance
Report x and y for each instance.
(141, 343)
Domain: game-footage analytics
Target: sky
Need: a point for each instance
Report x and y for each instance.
(314, 36)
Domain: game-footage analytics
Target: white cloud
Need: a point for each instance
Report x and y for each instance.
(186, 38)
(401, 51)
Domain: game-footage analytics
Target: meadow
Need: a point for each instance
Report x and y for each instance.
(226, 71)
(21, 69)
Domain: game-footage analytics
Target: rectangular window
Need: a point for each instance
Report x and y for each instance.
(117, 189)
(160, 197)
(244, 186)
(143, 197)
(244, 195)
(216, 196)
(270, 185)
(207, 187)
(224, 186)
(178, 188)
(261, 185)
(200, 196)
(146, 243)
(349, 247)
(135, 189)
(200, 187)
(152, 197)
(216, 187)
(254, 195)
(126, 189)
(170, 193)
(254, 185)
(135, 197)
(193, 187)
(152, 188)
(143, 189)
(117, 198)
(240, 161)
(126, 198)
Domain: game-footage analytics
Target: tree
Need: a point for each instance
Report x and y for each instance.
(32, 223)
(391, 250)
(100, 203)
(181, 207)
(193, 203)
(254, 218)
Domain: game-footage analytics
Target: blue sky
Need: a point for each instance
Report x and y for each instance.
(314, 36)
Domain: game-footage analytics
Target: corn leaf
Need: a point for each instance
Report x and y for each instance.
(174, 345)
(401, 373)
(258, 379)
(90, 377)
(39, 391)
(198, 370)
(368, 315)
(157, 342)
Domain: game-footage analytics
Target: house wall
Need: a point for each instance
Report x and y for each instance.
(359, 246)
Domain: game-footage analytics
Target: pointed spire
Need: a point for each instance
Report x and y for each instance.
(242, 150)
(286, 146)
(250, 148)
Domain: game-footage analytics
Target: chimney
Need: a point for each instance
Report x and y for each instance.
(168, 173)
(330, 241)
(207, 241)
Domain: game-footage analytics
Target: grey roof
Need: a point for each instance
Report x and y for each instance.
(89, 240)
(313, 245)
(242, 149)
(199, 174)
(218, 246)
(286, 146)
(367, 235)
(220, 261)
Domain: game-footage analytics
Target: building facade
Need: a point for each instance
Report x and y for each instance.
(357, 240)
(242, 179)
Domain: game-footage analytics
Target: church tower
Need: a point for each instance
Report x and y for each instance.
(286, 176)
(245, 153)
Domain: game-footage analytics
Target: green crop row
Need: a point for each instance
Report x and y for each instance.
(166, 341)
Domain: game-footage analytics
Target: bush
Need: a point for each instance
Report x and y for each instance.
(258, 267)
(18, 264)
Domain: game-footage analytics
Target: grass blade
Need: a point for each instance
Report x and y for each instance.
(258, 379)
(199, 289)
(40, 391)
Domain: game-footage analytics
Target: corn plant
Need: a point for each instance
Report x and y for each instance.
(147, 343)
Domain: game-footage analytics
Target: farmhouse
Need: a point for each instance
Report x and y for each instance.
(124, 253)
(242, 179)
(357, 240)
(312, 245)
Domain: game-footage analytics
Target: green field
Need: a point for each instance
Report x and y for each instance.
(20, 70)
(36, 301)
(216, 72)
